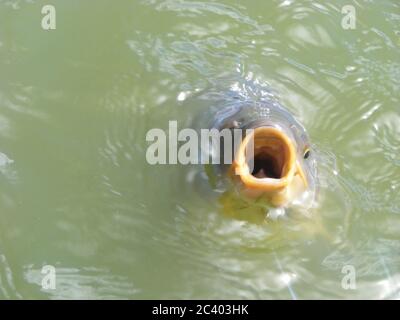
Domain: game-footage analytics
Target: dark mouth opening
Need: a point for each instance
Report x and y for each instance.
(271, 157)
(266, 166)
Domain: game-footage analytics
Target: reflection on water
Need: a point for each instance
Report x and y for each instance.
(83, 282)
(77, 193)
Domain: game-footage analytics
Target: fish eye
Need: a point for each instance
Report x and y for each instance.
(306, 154)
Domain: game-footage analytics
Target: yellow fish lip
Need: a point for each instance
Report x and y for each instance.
(274, 156)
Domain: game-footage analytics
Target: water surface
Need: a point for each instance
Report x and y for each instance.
(77, 193)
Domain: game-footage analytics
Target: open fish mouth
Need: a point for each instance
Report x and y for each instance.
(273, 154)
(272, 165)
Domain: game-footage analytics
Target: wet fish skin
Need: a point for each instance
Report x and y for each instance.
(268, 112)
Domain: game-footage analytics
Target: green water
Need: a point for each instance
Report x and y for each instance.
(77, 193)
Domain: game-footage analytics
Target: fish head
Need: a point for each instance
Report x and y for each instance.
(273, 168)
(274, 160)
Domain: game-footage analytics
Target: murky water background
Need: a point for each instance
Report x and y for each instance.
(76, 191)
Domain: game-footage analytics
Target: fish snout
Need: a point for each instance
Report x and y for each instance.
(267, 165)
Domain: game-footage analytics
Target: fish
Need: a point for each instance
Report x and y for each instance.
(283, 171)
